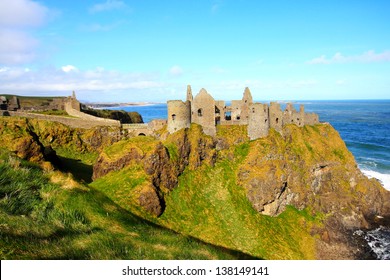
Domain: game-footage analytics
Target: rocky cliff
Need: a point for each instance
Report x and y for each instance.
(297, 194)
(308, 168)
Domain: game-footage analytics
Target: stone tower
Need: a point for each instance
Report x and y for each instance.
(247, 100)
(179, 115)
(189, 94)
(276, 116)
(258, 121)
(203, 112)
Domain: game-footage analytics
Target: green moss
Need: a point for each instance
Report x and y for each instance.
(339, 153)
(173, 151)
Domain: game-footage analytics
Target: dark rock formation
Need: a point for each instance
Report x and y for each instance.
(162, 166)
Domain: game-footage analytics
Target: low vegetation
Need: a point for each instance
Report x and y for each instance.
(49, 215)
(120, 115)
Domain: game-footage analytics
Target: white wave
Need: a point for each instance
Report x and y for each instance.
(383, 178)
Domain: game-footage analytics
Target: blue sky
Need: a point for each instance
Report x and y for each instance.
(144, 50)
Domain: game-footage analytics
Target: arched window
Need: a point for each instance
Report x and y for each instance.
(200, 113)
(173, 117)
(277, 120)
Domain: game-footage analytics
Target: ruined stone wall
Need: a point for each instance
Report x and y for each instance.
(291, 116)
(179, 115)
(69, 121)
(276, 116)
(258, 121)
(94, 120)
(311, 119)
(236, 110)
(157, 124)
(203, 112)
(137, 129)
(219, 111)
(208, 113)
(247, 100)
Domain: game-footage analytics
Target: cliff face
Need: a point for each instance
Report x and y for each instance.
(310, 167)
(186, 175)
(160, 164)
(295, 194)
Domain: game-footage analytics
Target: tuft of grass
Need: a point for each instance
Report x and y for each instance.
(53, 221)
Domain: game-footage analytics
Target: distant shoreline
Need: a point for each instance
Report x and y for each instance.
(118, 104)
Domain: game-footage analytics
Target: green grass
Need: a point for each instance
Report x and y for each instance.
(53, 113)
(58, 218)
(210, 205)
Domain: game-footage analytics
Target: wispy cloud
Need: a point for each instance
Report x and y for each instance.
(56, 81)
(69, 68)
(97, 27)
(109, 5)
(176, 71)
(367, 57)
(17, 17)
(216, 6)
(22, 13)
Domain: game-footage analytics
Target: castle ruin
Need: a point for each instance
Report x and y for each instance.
(207, 112)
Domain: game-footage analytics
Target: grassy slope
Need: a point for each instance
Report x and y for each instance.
(51, 216)
(209, 205)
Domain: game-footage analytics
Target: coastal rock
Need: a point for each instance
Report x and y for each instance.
(161, 163)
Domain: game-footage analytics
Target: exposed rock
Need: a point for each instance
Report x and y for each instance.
(162, 166)
(312, 167)
(150, 201)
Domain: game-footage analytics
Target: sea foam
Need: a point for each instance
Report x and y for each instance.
(383, 178)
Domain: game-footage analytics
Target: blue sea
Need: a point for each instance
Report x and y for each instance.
(364, 125)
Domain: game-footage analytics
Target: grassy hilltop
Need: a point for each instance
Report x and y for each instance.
(184, 196)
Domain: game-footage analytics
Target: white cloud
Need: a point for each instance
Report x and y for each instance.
(67, 78)
(69, 68)
(366, 57)
(97, 27)
(176, 71)
(22, 13)
(17, 17)
(109, 5)
(16, 47)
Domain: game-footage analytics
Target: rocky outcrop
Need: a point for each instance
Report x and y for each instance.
(161, 162)
(312, 168)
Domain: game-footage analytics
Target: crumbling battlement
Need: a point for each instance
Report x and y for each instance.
(207, 112)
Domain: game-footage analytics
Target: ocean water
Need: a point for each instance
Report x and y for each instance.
(364, 125)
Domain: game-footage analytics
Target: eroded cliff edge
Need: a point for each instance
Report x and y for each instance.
(292, 195)
(309, 168)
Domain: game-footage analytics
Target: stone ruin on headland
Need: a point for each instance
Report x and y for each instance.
(207, 112)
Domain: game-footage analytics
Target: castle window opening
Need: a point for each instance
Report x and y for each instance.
(217, 111)
(253, 110)
(200, 113)
(277, 120)
(217, 120)
(228, 116)
(141, 134)
(238, 118)
(173, 117)
(265, 120)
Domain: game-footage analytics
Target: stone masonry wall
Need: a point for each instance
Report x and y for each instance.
(203, 112)
(69, 121)
(258, 122)
(95, 121)
(179, 115)
(259, 117)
